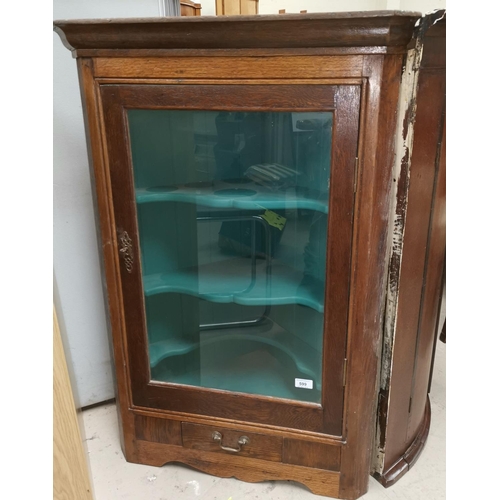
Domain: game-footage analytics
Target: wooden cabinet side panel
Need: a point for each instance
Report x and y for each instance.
(431, 298)
(369, 270)
(433, 72)
(413, 266)
(106, 236)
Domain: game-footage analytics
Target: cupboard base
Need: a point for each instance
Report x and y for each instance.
(319, 482)
(410, 456)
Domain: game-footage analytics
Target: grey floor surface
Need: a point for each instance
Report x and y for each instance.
(115, 479)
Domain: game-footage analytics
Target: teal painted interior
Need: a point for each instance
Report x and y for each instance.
(205, 196)
(232, 212)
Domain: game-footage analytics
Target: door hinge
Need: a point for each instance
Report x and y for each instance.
(344, 373)
(356, 164)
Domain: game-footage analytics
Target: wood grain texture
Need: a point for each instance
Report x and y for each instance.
(199, 437)
(421, 266)
(367, 289)
(406, 461)
(70, 472)
(159, 430)
(320, 482)
(434, 76)
(243, 81)
(217, 97)
(236, 53)
(108, 255)
(430, 101)
(308, 454)
(376, 28)
(276, 67)
(251, 408)
(431, 296)
(338, 268)
(239, 425)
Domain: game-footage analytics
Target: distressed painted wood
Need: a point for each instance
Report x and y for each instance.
(417, 259)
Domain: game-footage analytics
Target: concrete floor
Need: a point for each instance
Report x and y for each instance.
(115, 479)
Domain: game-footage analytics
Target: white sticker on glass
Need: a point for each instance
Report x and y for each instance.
(303, 383)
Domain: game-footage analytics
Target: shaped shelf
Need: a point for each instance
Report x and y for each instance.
(219, 194)
(204, 281)
(280, 345)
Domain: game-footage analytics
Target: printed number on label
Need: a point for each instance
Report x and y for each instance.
(303, 383)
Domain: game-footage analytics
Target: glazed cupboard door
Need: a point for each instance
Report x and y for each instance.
(233, 206)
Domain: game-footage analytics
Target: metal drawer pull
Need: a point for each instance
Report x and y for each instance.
(217, 436)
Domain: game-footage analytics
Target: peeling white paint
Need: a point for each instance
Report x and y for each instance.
(435, 11)
(399, 200)
(401, 164)
(403, 148)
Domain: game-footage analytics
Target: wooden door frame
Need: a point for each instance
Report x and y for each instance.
(343, 101)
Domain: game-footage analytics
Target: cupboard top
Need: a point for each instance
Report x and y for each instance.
(319, 30)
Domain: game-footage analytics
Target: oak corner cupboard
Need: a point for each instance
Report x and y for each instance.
(252, 179)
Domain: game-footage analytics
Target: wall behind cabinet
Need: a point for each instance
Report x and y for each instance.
(295, 6)
(76, 262)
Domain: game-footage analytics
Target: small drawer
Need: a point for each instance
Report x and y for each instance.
(231, 442)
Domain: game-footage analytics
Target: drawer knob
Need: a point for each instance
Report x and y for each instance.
(217, 436)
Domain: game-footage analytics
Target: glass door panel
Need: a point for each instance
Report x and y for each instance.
(232, 214)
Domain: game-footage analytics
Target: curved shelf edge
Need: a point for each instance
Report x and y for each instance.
(155, 284)
(259, 201)
(238, 299)
(170, 349)
(163, 349)
(410, 456)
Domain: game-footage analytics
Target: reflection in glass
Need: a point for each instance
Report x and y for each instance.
(232, 210)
